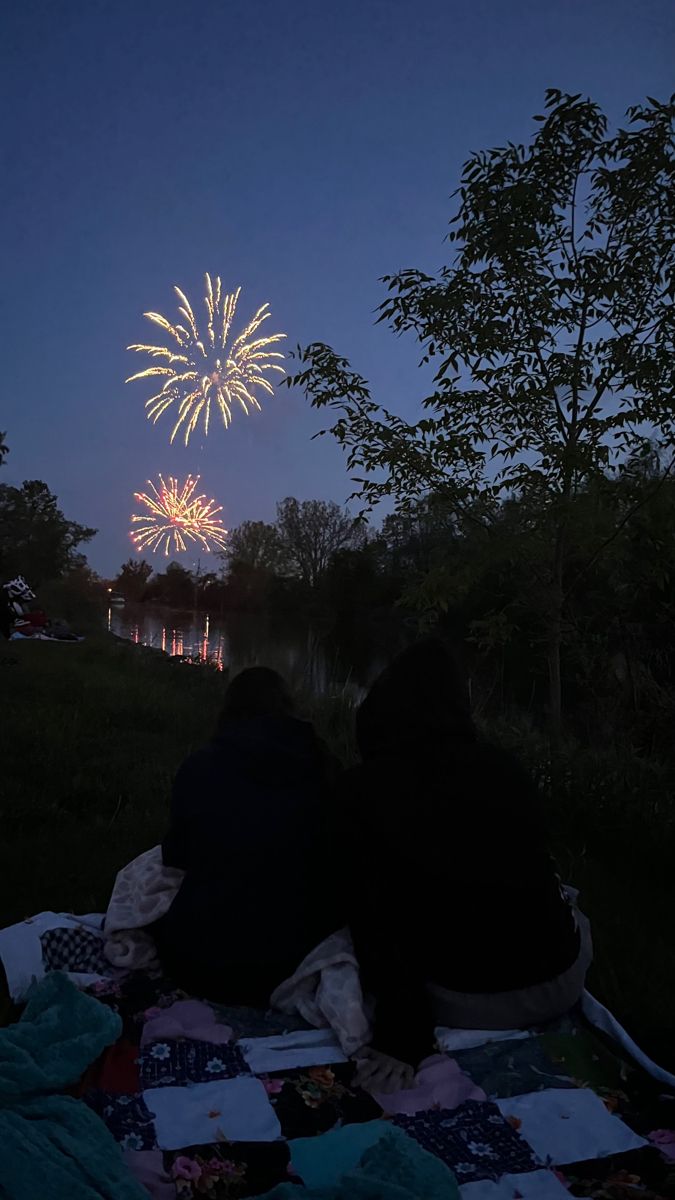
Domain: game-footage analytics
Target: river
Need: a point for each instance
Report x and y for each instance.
(318, 663)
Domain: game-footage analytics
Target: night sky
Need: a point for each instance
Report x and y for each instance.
(296, 147)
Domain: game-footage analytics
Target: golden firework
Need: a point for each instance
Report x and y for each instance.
(211, 369)
(175, 515)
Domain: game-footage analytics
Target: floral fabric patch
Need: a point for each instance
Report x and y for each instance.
(473, 1140)
(172, 1063)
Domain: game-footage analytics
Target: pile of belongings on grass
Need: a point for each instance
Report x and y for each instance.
(19, 622)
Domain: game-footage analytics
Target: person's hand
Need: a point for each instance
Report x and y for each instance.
(376, 1072)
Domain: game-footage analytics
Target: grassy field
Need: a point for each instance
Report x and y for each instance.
(92, 734)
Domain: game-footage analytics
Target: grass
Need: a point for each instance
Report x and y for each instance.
(94, 732)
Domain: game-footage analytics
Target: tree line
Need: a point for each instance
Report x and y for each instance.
(265, 565)
(486, 585)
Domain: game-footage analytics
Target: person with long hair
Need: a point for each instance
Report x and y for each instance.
(248, 828)
(457, 914)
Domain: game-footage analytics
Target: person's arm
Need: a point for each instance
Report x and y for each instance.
(402, 1019)
(390, 972)
(176, 843)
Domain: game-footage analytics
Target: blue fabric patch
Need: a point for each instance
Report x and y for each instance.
(127, 1117)
(473, 1140)
(174, 1062)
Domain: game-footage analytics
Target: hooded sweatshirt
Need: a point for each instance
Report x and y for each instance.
(450, 879)
(247, 827)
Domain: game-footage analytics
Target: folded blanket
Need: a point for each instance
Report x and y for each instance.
(54, 1145)
(143, 892)
(326, 991)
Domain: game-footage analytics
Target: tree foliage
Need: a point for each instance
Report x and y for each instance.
(311, 533)
(36, 539)
(133, 578)
(256, 545)
(174, 587)
(552, 331)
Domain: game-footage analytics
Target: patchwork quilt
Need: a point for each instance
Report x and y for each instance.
(226, 1103)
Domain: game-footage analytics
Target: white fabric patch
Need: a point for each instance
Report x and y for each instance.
(465, 1039)
(536, 1185)
(306, 1048)
(235, 1110)
(21, 950)
(569, 1125)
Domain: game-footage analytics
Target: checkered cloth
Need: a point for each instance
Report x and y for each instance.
(73, 950)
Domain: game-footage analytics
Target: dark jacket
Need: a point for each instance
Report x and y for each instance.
(450, 879)
(247, 827)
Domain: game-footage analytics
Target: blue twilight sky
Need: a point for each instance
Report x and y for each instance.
(298, 147)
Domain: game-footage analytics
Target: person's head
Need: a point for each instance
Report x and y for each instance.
(256, 692)
(419, 701)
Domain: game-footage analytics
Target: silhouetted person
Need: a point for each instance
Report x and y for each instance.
(247, 827)
(456, 911)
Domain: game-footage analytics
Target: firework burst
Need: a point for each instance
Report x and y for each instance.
(210, 369)
(176, 516)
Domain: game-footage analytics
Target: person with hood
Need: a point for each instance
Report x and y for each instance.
(457, 914)
(247, 827)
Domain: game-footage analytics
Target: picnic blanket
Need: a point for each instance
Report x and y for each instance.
(226, 1103)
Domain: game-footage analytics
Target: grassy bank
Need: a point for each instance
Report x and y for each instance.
(92, 734)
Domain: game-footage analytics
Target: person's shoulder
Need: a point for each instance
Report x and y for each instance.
(198, 761)
(511, 785)
(203, 754)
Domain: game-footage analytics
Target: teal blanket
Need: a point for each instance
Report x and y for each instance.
(52, 1144)
(373, 1161)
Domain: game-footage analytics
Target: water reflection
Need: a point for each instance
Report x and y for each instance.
(236, 641)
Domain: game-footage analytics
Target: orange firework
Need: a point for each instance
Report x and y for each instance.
(175, 516)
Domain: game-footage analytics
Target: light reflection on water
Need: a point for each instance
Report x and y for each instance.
(238, 640)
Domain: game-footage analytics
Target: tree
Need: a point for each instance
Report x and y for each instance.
(4, 448)
(416, 536)
(311, 532)
(553, 332)
(175, 587)
(254, 544)
(133, 579)
(254, 557)
(36, 539)
(357, 581)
